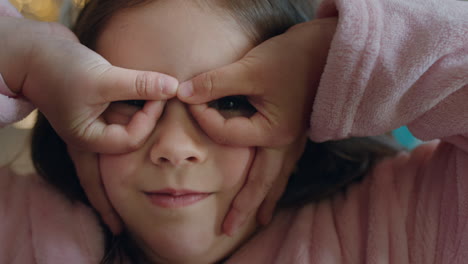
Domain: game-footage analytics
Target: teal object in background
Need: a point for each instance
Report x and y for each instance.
(405, 138)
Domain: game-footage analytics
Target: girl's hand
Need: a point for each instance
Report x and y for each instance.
(73, 86)
(279, 78)
(87, 169)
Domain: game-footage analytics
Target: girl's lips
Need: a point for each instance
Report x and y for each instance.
(171, 201)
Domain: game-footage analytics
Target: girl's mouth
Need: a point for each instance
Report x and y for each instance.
(171, 198)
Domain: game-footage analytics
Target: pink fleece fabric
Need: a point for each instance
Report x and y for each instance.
(392, 62)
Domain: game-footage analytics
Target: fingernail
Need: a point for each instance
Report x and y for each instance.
(265, 220)
(227, 225)
(169, 85)
(229, 231)
(234, 226)
(186, 89)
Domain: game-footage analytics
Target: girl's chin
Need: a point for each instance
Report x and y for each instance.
(177, 246)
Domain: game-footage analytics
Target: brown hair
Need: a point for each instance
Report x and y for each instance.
(323, 169)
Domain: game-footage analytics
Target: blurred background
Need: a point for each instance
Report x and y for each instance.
(47, 10)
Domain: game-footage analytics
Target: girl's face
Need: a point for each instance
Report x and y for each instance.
(174, 192)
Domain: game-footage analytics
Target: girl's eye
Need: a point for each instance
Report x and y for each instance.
(136, 103)
(233, 106)
(121, 112)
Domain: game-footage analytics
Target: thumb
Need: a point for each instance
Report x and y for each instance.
(233, 79)
(117, 84)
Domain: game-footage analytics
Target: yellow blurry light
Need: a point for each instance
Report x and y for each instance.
(28, 122)
(17, 4)
(46, 10)
(79, 3)
(23, 2)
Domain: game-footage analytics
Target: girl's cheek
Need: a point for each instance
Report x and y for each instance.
(236, 164)
(116, 170)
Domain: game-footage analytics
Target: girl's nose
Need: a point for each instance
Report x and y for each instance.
(178, 140)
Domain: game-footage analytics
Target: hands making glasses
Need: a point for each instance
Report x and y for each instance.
(254, 87)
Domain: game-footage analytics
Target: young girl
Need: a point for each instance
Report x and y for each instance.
(173, 192)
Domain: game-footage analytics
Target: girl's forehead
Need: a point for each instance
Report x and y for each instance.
(179, 39)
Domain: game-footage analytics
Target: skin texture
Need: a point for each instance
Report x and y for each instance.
(276, 127)
(39, 54)
(280, 121)
(178, 154)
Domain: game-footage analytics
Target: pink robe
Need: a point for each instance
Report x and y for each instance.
(391, 63)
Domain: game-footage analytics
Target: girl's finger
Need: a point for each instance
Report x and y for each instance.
(117, 84)
(114, 138)
(87, 169)
(234, 79)
(239, 131)
(268, 206)
(263, 173)
(291, 157)
(143, 122)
